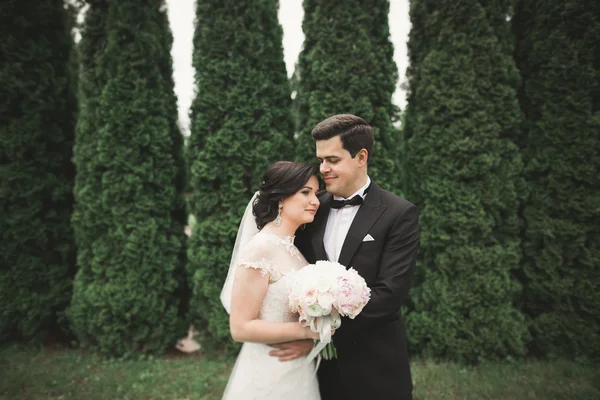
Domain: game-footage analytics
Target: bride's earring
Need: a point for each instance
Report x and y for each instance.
(277, 221)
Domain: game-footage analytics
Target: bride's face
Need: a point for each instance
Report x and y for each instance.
(301, 207)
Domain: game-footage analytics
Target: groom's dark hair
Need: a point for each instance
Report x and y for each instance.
(355, 133)
(281, 180)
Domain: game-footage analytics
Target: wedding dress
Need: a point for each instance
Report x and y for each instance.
(257, 375)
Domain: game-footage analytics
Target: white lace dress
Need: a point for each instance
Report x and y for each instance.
(257, 375)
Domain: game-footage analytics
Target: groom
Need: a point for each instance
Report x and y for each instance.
(360, 225)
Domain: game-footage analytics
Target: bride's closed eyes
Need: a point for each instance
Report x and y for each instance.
(307, 190)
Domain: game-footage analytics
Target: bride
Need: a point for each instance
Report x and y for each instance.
(256, 290)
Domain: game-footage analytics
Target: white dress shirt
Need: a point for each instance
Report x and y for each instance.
(338, 224)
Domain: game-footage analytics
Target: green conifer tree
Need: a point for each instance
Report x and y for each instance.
(465, 179)
(241, 123)
(559, 59)
(37, 128)
(127, 292)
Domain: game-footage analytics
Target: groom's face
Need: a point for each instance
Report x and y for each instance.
(341, 172)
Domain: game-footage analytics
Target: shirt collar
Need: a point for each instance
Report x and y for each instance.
(360, 192)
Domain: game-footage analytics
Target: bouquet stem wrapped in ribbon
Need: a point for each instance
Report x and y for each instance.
(322, 293)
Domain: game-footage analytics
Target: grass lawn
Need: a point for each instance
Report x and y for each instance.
(71, 374)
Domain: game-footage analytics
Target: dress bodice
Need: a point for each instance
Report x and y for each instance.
(278, 258)
(275, 304)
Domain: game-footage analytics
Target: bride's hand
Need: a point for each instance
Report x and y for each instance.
(314, 335)
(309, 334)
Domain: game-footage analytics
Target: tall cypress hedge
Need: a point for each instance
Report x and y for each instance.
(465, 179)
(558, 55)
(241, 122)
(127, 294)
(89, 219)
(347, 66)
(37, 128)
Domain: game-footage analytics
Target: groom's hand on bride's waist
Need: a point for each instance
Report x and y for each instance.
(291, 350)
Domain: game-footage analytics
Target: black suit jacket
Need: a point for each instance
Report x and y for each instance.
(372, 352)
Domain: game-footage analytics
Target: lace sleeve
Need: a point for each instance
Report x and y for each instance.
(261, 257)
(265, 267)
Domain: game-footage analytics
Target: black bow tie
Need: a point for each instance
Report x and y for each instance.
(355, 201)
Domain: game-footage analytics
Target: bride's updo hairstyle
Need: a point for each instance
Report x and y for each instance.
(281, 180)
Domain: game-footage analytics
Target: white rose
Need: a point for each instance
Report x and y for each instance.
(326, 300)
(314, 310)
(336, 320)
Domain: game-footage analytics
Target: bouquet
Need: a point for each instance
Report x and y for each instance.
(324, 292)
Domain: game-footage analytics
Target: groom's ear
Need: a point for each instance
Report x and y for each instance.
(362, 157)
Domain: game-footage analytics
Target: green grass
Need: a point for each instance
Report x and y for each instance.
(558, 380)
(71, 374)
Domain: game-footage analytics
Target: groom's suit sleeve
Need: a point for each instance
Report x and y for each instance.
(397, 264)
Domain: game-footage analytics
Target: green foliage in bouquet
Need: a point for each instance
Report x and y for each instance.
(37, 128)
(241, 123)
(558, 56)
(130, 212)
(464, 175)
(347, 66)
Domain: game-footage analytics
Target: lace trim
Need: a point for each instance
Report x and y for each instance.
(287, 242)
(265, 267)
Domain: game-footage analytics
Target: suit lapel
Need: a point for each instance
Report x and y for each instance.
(368, 213)
(317, 239)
